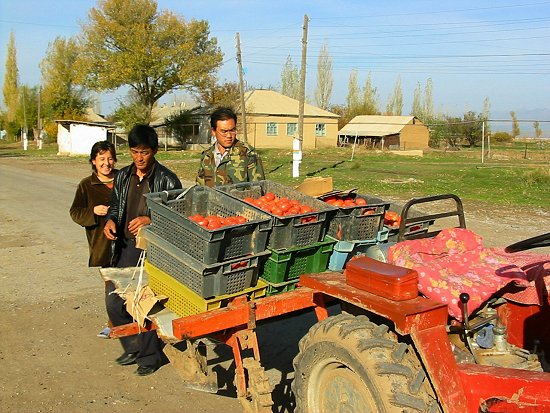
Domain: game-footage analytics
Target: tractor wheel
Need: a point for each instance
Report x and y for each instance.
(349, 364)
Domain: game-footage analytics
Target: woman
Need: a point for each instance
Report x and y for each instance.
(91, 204)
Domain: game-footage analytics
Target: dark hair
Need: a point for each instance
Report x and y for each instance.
(222, 114)
(143, 135)
(100, 147)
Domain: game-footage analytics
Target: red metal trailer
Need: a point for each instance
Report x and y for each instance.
(380, 353)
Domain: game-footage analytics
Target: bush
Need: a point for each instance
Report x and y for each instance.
(502, 137)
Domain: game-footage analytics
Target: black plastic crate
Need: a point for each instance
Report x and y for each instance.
(169, 216)
(226, 277)
(292, 230)
(358, 222)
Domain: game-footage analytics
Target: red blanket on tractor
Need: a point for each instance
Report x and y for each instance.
(456, 261)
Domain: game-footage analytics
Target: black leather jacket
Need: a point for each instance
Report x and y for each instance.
(161, 179)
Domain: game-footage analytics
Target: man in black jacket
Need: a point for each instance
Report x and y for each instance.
(127, 214)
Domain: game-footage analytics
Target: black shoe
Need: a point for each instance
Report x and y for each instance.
(145, 370)
(127, 359)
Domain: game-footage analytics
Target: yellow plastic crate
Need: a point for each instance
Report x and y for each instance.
(184, 302)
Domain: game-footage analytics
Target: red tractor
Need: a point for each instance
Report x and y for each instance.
(390, 349)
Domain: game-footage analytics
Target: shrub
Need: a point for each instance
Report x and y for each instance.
(502, 137)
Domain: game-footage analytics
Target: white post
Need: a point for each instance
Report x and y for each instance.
(296, 157)
(354, 143)
(25, 141)
(482, 141)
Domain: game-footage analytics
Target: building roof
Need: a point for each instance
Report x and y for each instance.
(89, 118)
(159, 114)
(377, 125)
(269, 102)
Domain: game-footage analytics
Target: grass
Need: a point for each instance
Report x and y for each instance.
(505, 179)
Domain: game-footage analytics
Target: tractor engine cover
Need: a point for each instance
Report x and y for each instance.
(380, 278)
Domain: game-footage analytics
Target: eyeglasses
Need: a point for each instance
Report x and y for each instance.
(226, 132)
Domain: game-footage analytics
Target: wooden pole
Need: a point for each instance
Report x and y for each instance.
(241, 87)
(302, 89)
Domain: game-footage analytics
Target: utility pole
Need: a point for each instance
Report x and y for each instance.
(241, 87)
(297, 144)
(25, 128)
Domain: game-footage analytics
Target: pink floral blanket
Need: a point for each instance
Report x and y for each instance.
(456, 261)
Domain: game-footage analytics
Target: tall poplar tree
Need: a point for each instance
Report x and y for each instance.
(395, 102)
(323, 91)
(370, 98)
(290, 79)
(515, 125)
(428, 112)
(11, 82)
(353, 100)
(417, 105)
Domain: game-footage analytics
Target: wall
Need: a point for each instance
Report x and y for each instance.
(414, 137)
(78, 140)
(257, 132)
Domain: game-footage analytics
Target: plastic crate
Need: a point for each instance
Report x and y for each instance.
(342, 251)
(169, 220)
(184, 302)
(289, 231)
(207, 280)
(278, 288)
(359, 222)
(288, 264)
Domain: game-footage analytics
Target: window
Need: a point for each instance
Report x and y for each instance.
(291, 129)
(272, 129)
(320, 129)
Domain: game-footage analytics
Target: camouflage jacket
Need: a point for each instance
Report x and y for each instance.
(241, 164)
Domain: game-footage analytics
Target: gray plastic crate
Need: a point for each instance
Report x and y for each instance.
(169, 217)
(359, 222)
(227, 277)
(289, 231)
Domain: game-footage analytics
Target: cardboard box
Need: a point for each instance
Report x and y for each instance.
(315, 186)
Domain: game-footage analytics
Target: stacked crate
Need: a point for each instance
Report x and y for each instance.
(297, 242)
(355, 228)
(190, 263)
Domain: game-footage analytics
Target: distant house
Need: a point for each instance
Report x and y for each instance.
(196, 133)
(76, 137)
(272, 122)
(386, 132)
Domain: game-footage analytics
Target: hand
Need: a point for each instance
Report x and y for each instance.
(137, 223)
(101, 210)
(109, 230)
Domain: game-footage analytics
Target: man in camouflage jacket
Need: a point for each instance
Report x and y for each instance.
(228, 160)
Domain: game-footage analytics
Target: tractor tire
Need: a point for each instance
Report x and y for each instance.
(349, 364)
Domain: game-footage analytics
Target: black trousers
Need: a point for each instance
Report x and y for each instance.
(147, 344)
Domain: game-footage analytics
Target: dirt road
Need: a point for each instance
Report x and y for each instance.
(51, 308)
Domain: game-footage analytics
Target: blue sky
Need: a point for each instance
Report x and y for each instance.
(470, 49)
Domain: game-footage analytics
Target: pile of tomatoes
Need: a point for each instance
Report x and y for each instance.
(215, 221)
(345, 201)
(392, 219)
(281, 206)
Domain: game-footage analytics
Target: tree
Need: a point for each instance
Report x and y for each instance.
(353, 99)
(183, 125)
(471, 128)
(428, 112)
(323, 91)
(11, 86)
(370, 98)
(538, 130)
(417, 106)
(132, 111)
(515, 125)
(453, 133)
(128, 42)
(61, 95)
(395, 102)
(290, 79)
(225, 94)
(27, 110)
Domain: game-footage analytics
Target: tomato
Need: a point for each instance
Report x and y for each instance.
(213, 225)
(304, 209)
(249, 200)
(360, 201)
(293, 210)
(349, 202)
(338, 203)
(330, 199)
(270, 196)
(240, 219)
(277, 211)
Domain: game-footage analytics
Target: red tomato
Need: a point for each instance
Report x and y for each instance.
(304, 209)
(270, 196)
(293, 210)
(240, 219)
(360, 201)
(249, 200)
(338, 203)
(277, 211)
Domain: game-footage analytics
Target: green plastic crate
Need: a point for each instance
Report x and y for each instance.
(288, 264)
(278, 288)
